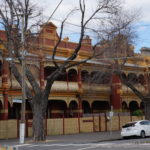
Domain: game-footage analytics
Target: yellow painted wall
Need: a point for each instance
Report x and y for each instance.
(71, 126)
(134, 118)
(86, 124)
(103, 126)
(30, 131)
(113, 124)
(96, 124)
(54, 126)
(8, 129)
(124, 119)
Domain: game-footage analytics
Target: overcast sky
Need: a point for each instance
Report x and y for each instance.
(142, 26)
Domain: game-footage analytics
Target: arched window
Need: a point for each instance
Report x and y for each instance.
(28, 110)
(96, 77)
(56, 109)
(100, 106)
(124, 106)
(85, 76)
(107, 78)
(141, 79)
(72, 75)
(132, 78)
(16, 111)
(86, 107)
(142, 105)
(133, 106)
(73, 107)
(123, 75)
(0, 68)
(48, 70)
(1, 107)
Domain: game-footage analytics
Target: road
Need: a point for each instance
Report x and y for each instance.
(131, 144)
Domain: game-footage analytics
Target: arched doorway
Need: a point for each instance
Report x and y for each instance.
(95, 77)
(15, 111)
(10, 111)
(142, 106)
(106, 78)
(72, 75)
(73, 109)
(85, 77)
(100, 106)
(48, 70)
(86, 107)
(1, 108)
(124, 106)
(141, 79)
(29, 114)
(56, 109)
(132, 78)
(123, 75)
(133, 105)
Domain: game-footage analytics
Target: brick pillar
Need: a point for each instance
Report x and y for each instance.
(116, 92)
(42, 75)
(5, 73)
(79, 80)
(80, 91)
(146, 84)
(80, 110)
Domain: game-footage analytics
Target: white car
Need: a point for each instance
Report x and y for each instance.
(137, 128)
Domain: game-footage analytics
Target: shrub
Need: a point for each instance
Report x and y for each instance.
(138, 112)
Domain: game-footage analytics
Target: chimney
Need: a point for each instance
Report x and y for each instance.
(86, 40)
(145, 51)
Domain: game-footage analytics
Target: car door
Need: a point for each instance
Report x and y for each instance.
(148, 123)
(146, 127)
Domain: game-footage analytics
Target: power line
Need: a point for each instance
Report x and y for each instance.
(54, 10)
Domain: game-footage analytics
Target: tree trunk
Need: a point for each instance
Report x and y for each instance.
(39, 111)
(147, 108)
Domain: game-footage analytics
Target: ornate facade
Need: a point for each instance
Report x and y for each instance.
(82, 90)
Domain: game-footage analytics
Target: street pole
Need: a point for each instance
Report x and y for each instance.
(111, 115)
(23, 104)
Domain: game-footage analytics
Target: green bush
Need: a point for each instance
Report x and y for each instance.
(138, 112)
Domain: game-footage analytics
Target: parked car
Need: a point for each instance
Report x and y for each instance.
(136, 128)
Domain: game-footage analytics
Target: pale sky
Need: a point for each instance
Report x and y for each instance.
(142, 26)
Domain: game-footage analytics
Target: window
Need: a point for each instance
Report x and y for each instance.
(145, 122)
(132, 124)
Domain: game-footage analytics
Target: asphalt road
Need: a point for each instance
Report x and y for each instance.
(130, 144)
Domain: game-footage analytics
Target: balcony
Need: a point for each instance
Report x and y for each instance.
(58, 86)
(96, 87)
(139, 87)
(63, 86)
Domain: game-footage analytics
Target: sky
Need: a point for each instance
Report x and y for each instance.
(141, 26)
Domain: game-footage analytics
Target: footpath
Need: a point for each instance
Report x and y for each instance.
(73, 138)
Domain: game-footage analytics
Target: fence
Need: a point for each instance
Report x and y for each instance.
(58, 126)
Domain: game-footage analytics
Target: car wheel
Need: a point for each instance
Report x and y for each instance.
(143, 134)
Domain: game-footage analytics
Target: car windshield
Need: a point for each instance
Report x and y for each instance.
(132, 124)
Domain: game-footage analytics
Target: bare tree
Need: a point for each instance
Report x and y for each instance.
(119, 40)
(120, 61)
(10, 16)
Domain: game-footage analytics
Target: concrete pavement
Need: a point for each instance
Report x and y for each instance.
(73, 138)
